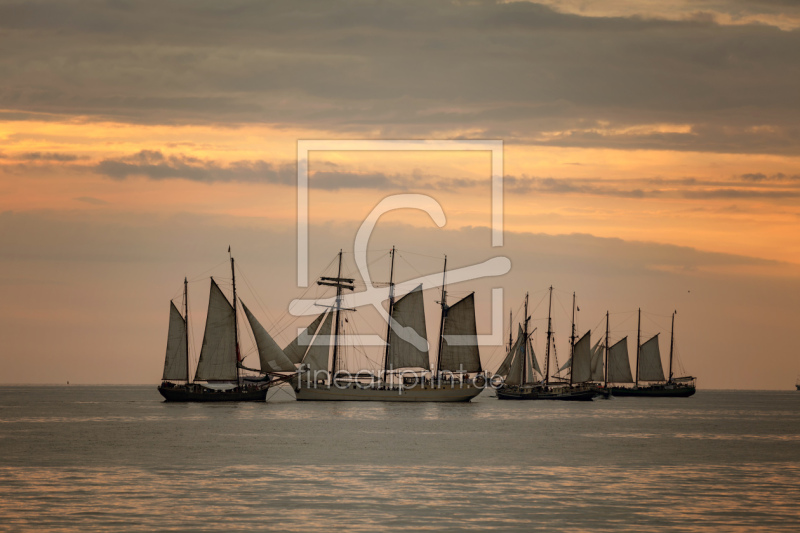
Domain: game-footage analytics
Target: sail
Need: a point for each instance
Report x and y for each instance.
(269, 353)
(566, 365)
(218, 354)
(582, 359)
(517, 361)
(460, 354)
(297, 349)
(533, 359)
(650, 368)
(597, 361)
(317, 356)
(619, 366)
(506, 365)
(408, 337)
(175, 361)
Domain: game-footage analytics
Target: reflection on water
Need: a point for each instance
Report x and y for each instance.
(367, 498)
(118, 458)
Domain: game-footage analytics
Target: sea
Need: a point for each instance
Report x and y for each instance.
(118, 458)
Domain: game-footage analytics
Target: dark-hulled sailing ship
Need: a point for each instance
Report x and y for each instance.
(521, 366)
(650, 380)
(219, 376)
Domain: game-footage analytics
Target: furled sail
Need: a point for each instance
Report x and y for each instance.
(218, 354)
(317, 356)
(597, 361)
(582, 359)
(619, 366)
(460, 344)
(517, 361)
(408, 337)
(297, 349)
(269, 353)
(650, 368)
(175, 361)
(506, 365)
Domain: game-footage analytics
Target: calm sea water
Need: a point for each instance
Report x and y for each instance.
(119, 458)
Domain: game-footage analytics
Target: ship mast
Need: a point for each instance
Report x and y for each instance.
(340, 283)
(236, 325)
(572, 341)
(441, 321)
(389, 321)
(606, 369)
(525, 345)
(638, 347)
(671, 345)
(549, 336)
(186, 320)
(336, 317)
(510, 328)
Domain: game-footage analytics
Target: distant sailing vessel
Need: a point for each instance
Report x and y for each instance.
(520, 364)
(406, 348)
(648, 368)
(218, 377)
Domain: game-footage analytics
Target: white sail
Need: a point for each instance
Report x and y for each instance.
(582, 359)
(650, 368)
(269, 353)
(460, 344)
(218, 354)
(297, 349)
(175, 361)
(517, 361)
(619, 366)
(597, 361)
(505, 366)
(317, 356)
(408, 337)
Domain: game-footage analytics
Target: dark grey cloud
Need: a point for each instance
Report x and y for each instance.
(46, 156)
(155, 165)
(407, 69)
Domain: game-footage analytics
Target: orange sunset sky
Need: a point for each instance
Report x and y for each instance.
(651, 159)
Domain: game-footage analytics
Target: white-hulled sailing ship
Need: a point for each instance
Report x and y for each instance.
(520, 368)
(648, 368)
(218, 377)
(406, 350)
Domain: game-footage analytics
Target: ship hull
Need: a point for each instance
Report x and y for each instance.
(446, 393)
(198, 393)
(656, 391)
(562, 394)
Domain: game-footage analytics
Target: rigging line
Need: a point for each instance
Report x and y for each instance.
(256, 297)
(202, 275)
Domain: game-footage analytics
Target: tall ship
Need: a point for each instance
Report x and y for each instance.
(649, 379)
(406, 360)
(520, 368)
(219, 375)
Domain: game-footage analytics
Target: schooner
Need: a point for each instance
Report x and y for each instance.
(321, 376)
(648, 368)
(518, 368)
(218, 377)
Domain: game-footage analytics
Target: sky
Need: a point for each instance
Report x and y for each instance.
(650, 161)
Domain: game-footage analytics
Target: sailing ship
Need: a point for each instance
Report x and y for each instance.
(406, 347)
(648, 368)
(520, 364)
(219, 376)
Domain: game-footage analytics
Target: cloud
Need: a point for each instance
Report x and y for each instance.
(91, 200)
(518, 71)
(154, 165)
(46, 156)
